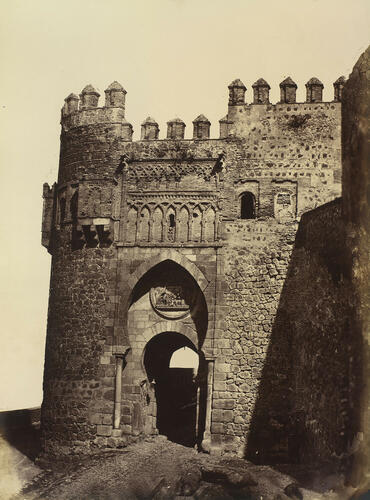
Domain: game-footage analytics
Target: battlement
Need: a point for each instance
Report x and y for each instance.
(287, 155)
(84, 110)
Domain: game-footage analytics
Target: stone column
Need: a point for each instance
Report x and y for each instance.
(206, 444)
(120, 355)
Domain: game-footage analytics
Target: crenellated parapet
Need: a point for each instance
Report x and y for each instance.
(100, 163)
(175, 129)
(201, 127)
(338, 88)
(314, 90)
(261, 92)
(85, 111)
(149, 129)
(99, 116)
(288, 91)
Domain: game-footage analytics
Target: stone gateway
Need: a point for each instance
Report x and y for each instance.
(226, 249)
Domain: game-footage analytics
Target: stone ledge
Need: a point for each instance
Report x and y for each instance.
(212, 244)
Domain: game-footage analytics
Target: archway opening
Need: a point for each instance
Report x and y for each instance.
(185, 358)
(247, 206)
(171, 362)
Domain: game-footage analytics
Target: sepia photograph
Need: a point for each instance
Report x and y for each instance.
(185, 250)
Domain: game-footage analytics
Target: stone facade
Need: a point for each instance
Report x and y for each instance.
(210, 227)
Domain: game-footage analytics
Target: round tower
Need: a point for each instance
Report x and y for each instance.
(79, 223)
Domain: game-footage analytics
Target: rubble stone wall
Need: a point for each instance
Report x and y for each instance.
(76, 372)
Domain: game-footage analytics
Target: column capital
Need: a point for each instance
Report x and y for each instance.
(121, 351)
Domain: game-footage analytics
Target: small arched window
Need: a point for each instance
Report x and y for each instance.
(171, 226)
(247, 206)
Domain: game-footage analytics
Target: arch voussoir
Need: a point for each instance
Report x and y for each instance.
(171, 255)
(170, 326)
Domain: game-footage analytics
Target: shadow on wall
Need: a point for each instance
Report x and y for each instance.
(307, 406)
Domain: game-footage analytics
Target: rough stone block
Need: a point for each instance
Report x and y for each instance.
(225, 404)
(105, 360)
(227, 416)
(104, 430)
(219, 386)
(126, 419)
(107, 419)
(217, 415)
(96, 418)
(217, 428)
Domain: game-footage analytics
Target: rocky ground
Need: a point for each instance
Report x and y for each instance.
(159, 469)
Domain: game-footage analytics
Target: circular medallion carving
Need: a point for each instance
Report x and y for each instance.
(170, 301)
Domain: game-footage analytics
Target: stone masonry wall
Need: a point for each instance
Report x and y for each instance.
(79, 365)
(256, 262)
(288, 157)
(76, 372)
(296, 144)
(291, 368)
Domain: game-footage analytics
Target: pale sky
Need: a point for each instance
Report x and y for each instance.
(174, 58)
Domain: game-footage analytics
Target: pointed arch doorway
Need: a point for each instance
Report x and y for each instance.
(168, 317)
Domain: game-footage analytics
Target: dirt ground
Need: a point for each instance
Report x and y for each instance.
(155, 468)
(159, 469)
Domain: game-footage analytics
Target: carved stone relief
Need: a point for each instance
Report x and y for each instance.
(285, 200)
(171, 222)
(158, 172)
(170, 301)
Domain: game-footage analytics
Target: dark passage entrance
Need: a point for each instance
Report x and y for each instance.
(175, 387)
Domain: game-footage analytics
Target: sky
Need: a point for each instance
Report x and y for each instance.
(174, 58)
